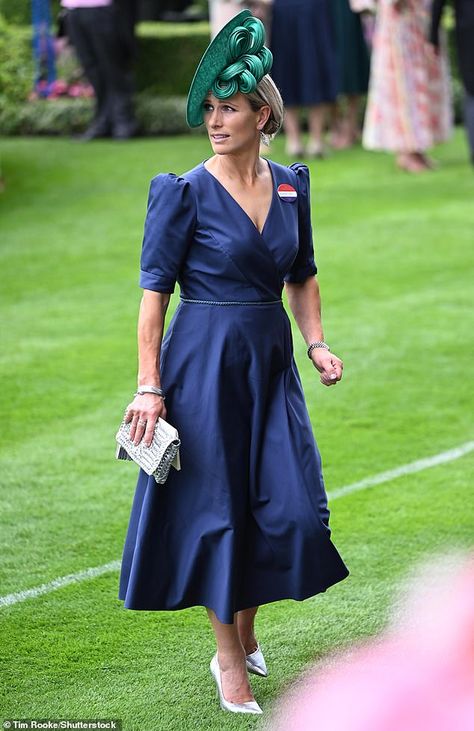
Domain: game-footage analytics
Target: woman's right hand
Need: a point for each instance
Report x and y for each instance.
(144, 412)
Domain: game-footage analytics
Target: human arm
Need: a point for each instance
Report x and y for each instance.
(169, 227)
(302, 286)
(305, 303)
(148, 407)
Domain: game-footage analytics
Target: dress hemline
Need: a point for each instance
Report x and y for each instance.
(279, 598)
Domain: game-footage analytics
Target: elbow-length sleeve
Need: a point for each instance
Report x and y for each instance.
(303, 265)
(169, 227)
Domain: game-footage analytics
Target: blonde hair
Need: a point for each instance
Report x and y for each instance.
(267, 94)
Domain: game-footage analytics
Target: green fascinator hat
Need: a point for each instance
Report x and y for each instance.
(236, 60)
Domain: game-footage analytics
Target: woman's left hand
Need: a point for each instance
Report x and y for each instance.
(329, 366)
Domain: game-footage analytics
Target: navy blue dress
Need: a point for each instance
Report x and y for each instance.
(245, 521)
(305, 60)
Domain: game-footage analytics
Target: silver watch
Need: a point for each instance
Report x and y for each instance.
(317, 344)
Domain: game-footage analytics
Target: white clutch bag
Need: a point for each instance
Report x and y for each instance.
(156, 459)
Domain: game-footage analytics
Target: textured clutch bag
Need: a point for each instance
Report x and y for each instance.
(156, 459)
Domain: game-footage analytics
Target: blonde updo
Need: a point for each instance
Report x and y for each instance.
(267, 94)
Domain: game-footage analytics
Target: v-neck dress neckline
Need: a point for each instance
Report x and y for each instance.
(270, 209)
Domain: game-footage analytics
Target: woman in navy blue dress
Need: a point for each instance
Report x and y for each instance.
(245, 521)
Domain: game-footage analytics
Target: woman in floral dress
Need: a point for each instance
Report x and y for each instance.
(409, 104)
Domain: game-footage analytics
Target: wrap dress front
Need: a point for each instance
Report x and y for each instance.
(245, 522)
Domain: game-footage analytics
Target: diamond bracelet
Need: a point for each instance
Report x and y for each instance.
(316, 344)
(150, 389)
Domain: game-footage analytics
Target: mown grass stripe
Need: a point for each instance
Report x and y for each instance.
(379, 479)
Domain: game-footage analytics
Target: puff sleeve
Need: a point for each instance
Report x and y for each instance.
(169, 227)
(303, 265)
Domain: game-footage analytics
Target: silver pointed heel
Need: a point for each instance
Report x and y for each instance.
(247, 707)
(256, 663)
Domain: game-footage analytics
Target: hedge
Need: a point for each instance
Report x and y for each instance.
(155, 116)
(167, 54)
(16, 63)
(19, 11)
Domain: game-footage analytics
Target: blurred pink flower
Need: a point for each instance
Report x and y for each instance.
(59, 87)
(80, 90)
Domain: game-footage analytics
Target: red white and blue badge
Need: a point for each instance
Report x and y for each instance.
(287, 193)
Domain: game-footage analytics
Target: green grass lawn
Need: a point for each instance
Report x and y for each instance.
(393, 253)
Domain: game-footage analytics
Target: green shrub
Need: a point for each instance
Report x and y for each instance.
(16, 11)
(161, 115)
(16, 64)
(42, 117)
(155, 115)
(167, 54)
(19, 11)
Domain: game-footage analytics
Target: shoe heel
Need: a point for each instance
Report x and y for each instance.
(246, 707)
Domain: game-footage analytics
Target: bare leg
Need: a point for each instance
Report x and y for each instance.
(317, 118)
(245, 624)
(426, 161)
(350, 133)
(292, 131)
(231, 657)
(412, 162)
(353, 132)
(336, 124)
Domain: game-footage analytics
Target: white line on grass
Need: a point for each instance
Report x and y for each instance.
(20, 596)
(406, 469)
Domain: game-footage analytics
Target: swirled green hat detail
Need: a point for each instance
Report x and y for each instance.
(236, 60)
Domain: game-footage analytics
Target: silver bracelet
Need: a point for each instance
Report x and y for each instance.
(317, 344)
(150, 389)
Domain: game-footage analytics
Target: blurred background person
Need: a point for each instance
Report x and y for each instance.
(409, 102)
(262, 9)
(366, 10)
(353, 74)
(304, 68)
(417, 676)
(102, 33)
(221, 11)
(464, 13)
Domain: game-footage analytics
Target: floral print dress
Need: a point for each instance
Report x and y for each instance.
(409, 103)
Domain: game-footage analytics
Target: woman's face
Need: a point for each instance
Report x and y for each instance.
(232, 125)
